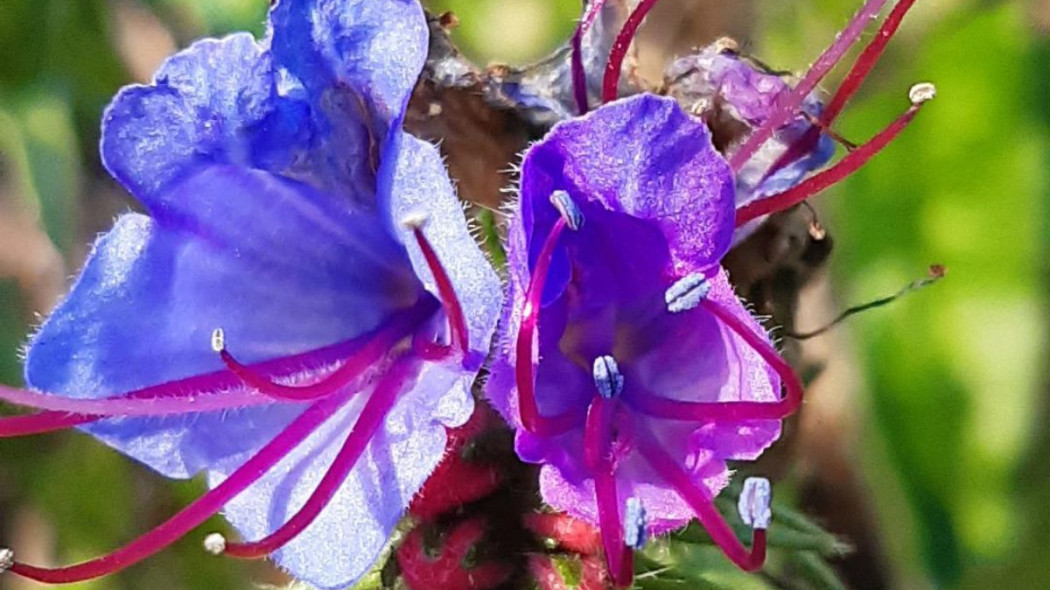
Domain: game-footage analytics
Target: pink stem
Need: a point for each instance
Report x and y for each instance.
(524, 368)
(597, 448)
(40, 423)
(614, 67)
(376, 346)
(579, 75)
(196, 513)
(460, 336)
(368, 423)
(829, 177)
(699, 499)
(661, 407)
(788, 101)
(133, 406)
(856, 76)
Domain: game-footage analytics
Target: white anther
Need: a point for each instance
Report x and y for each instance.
(415, 220)
(754, 503)
(568, 209)
(921, 93)
(218, 340)
(687, 292)
(634, 524)
(607, 377)
(215, 544)
(7, 559)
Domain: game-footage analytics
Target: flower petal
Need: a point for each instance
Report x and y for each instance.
(419, 184)
(371, 49)
(642, 156)
(280, 267)
(348, 536)
(215, 102)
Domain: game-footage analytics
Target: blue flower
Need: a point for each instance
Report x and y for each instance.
(293, 220)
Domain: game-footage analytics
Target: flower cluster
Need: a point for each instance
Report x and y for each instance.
(303, 313)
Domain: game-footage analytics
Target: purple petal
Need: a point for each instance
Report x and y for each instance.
(642, 156)
(280, 267)
(348, 536)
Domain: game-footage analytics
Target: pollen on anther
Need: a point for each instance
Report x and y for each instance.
(218, 340)
(921, 93)
(634, 524)
(7, 559)
(687, 292)
(754, 503)
(215, 544)
(607, 377)
(568, 209)
(415, 220)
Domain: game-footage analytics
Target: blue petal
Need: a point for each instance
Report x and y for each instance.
(373, 49)
(418, 184)
(282, 268)
(215, 102)
(348, 536)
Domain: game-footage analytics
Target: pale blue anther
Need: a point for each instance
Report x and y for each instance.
(568, 209)
(607, 377)
(754, 503)
(634, 526)
(687, 292)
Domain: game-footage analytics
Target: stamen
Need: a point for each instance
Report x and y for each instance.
(372, 417)
(460, 335)
(657, 406)
(41, 423)
(789, 101)
(635, 533)
(597, 447)
(853, 80)
(607, 377)
(215, 544)
(579, 76)
(614, 67)
(753, 504)
(123, 406)
(525, 371)
(699, 499)
(7, 559)
(199, 511)
(842, 169)
(687, 292)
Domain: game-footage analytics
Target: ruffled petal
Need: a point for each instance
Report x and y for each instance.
(280, 267)
(371, 49)
(418, 184)
(215, 102)
(348, 536)
(642, 156)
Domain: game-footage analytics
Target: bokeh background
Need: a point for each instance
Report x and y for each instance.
(934, 408)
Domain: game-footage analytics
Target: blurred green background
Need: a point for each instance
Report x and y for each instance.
(941, 397)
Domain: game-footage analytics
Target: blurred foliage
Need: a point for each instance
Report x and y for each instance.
(954, 432)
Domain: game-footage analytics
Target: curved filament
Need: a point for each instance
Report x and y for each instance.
(789, 101)
(460, 335)
(373, 348)
(614, 67)
(579, 75)
(368, 423)
(661, 407)
(699, 499)
(196, 513)
(597, 450)
(524, 368)
(829, 177)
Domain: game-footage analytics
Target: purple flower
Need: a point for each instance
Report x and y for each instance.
(632, 372)
(291, 218)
